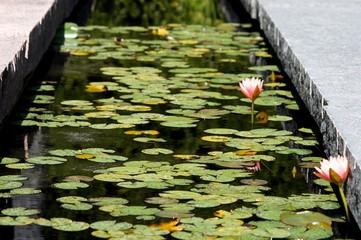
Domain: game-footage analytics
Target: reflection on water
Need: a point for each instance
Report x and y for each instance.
(156, 13)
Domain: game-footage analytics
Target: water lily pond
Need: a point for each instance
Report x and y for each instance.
(141, 132)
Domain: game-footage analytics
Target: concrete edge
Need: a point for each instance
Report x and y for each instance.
(333, 141)
(32, 48)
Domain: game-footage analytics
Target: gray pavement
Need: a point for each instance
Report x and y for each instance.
(319, 45)
(26, 30)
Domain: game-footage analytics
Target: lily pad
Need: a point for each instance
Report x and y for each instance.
(67, 225)
(71, 185)
(110, 225)
(6, 185)
(77, 103)
(77, 206)
(156, 151)
(46, 160)
(18, 221)
(178, 194)
(19, 211)
(271, 233)
(221, 131)
(7, 160)
(304, 218)
(20, 165)
(24, 191)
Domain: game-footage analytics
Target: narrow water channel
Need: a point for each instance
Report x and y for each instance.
(134, 127)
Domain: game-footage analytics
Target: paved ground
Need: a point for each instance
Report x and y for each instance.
(318, 43)
(26, 30)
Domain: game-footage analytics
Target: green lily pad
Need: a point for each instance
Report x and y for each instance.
(18, 221)
(220, 131)
(270, 214)
(161, 200)
(180, 182)
(206, 201)
(174, 213)
(7, 160)
(273, 68)
(178, 194)
(295, 151)
(46, 160)
(43, 222)
(23, 191)
(132, 184)
(328, 205)
(6, 185)
(12, 178)
(64, 152)
(70, 185)
(110, 225)
(102, 201)
(100, 114)
(77, 206)
(254, 182)
(279, 118)
(134, 210)
(271, 233)
(178, 124)
(20, 165)
(156, 151)
(106, 126)
(67, 225)
(312, 159)
(149, 140)
(304, 218)
(71, 199)
(19, 211)
(263, 132)
(306, 130)
(77, 103)
(108, 158)
(307, 142)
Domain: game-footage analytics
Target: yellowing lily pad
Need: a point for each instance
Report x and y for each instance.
(216, 138)
(139, 132)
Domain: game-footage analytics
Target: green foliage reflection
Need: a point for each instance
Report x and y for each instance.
(156, 12)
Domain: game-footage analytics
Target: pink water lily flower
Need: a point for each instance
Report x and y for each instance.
(335, 170)
(251, 87)
(256, 167)
(340, 165)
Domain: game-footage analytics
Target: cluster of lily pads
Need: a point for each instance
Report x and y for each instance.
(171, 78)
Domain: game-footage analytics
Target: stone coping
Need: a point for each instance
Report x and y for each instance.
(27, 28)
